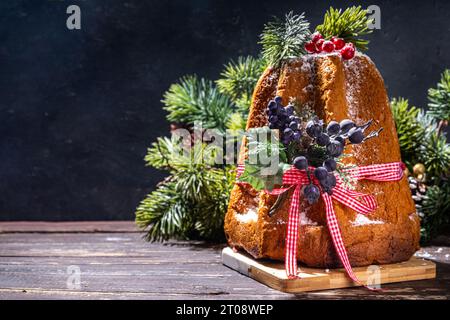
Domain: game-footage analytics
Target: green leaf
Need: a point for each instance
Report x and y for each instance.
(350, 24)
(253, 175)
(264, 145)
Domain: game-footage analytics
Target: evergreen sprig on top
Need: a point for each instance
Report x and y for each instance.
(351, 25)
(284, 39)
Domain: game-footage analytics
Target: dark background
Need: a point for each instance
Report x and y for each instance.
(79, 108)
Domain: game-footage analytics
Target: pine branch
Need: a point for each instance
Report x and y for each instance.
(350, 24)
(236, 122)
(160, 154)
(435, 155)
(439, 98)
(411, 132)
(239, 77)
(192, 201)
(163, 214)
(210, 212)
(435, 211)
(285, 39)
(419, 140)
(194, 99)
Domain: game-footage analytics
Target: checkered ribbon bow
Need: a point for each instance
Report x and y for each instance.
(361, 203)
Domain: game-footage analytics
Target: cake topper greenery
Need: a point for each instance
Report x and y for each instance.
(350, 25)
(284, 39)
(190, 203)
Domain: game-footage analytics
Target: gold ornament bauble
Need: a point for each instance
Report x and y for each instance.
(419, 168)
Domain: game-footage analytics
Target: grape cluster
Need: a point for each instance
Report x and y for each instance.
(285, 120)
(333, 138)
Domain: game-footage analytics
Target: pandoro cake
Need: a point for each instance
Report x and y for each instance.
(335, 89)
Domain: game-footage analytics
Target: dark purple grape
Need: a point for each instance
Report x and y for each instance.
(277, 99)
(292, 118)
(313, 129)
(331, 180)
(272, 126)
(286, 140)
(272, 106)
(273, 112)
(297, 135)
(273, 119)
(293, 125)
(355, 135)
(309, 128)
(282, 116)
(335, 148)
(346, 125)
(320, 173)
(333, 128)
(340, 139)
(330, 164)
(301, 163)
(311, 193)
(288, 132)
(289, 110)
(323, 140)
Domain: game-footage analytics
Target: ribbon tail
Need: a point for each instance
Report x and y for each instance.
(336, 236)
(292, 235)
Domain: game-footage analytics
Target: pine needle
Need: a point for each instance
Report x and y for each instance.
(439, 98)
(197, 100)
(239, 77)
(284, 39)
(350, 24)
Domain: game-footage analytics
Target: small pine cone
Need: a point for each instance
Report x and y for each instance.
(418, 191)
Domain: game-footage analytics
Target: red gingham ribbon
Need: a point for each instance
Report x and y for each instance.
(360, 202)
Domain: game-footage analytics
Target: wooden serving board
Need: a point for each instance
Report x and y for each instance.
(272, 273)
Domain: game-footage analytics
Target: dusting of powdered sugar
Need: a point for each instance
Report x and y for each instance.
(362, 220)
(304, 219)
(324, 54)
(250, 216)
(354, 71)
(306, 67)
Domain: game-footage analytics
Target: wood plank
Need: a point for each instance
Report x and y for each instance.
(124, 266)
(67, 226)
(310, 279)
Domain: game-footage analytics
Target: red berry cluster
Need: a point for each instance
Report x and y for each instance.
(319, 44)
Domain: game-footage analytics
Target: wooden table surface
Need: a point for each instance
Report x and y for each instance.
(115, 263)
